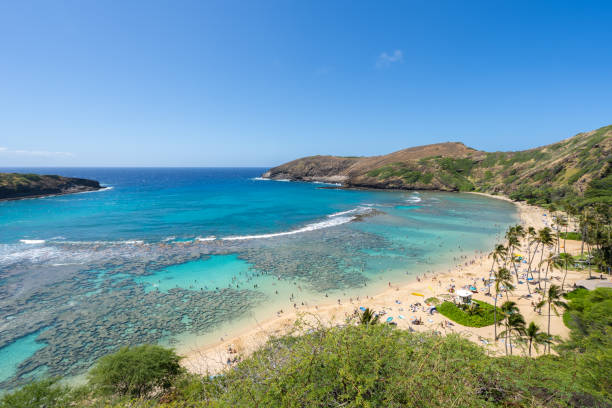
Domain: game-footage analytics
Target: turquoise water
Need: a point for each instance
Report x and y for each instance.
(167, 253)
(217, 271)
(16, 352)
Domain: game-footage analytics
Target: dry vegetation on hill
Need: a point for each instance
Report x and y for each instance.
(576, 169)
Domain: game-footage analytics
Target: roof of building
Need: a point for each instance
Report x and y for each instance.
(592, 284)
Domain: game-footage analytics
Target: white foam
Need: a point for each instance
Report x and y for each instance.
(12, 254)
(32, 241)
(205, 239)
(132, 242)
(414, 199)
(332, 222)
(360, 209)
(107, 188)
(260, 179)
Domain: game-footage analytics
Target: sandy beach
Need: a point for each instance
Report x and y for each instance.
(398, 301)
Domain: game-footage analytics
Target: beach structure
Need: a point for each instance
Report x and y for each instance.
(592, 284)
(464, 297)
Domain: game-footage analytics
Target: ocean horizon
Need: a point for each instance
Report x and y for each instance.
(176, 254)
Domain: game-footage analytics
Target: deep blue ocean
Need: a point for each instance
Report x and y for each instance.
(162, 253)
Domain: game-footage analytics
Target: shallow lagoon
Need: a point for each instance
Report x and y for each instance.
(138, 263)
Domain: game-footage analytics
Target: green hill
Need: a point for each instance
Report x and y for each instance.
(16, 186)
(575, 169)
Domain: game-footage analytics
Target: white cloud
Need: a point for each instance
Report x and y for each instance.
(322, 71)
(385, 60)
(39, 153)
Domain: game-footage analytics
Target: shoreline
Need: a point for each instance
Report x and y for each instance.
(33, 197)
(213, 358)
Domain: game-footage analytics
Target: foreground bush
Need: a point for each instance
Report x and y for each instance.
(45, 393)
(373, 366)
(379, 366)
(136, 371)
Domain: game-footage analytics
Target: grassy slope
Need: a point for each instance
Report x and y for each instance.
(576, 167)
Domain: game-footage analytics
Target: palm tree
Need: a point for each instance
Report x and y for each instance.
(545, 239)
(514, 322)
(534, 336)
(502, 279)
(553, 298)
(531, 235)
(551, 262)
(512, 235)
(533, 238)
(553, 213)
(368, 317)
(497, 254)
(560, 221)
(565, 259)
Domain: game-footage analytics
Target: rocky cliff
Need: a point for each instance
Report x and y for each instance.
(16, 186)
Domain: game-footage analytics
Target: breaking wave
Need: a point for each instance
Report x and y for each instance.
(333, 220)
(205, 239)
(32, 241)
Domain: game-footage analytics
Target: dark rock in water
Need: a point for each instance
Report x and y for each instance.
(14, 186)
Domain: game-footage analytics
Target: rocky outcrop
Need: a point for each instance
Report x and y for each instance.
(14, 186)
(329, 169)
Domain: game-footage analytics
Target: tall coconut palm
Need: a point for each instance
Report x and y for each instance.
(531, 234)
(515, 323)
(565, 259)
(535, 336)
(533, 238)
(561, 222)
(545, 240)
(553, 299)
(512, 235)
(552, 262)
(503, 279)
(497, 254)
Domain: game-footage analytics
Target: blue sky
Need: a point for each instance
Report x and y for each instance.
(257, 83)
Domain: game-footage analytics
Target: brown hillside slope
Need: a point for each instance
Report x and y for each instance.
(569, 167)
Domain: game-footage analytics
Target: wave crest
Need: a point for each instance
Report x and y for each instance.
(333, 220)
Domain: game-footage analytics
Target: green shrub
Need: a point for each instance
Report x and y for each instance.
(136, 371)
(432, 300)
(576, 236)
(45, 393)
(484, 315)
